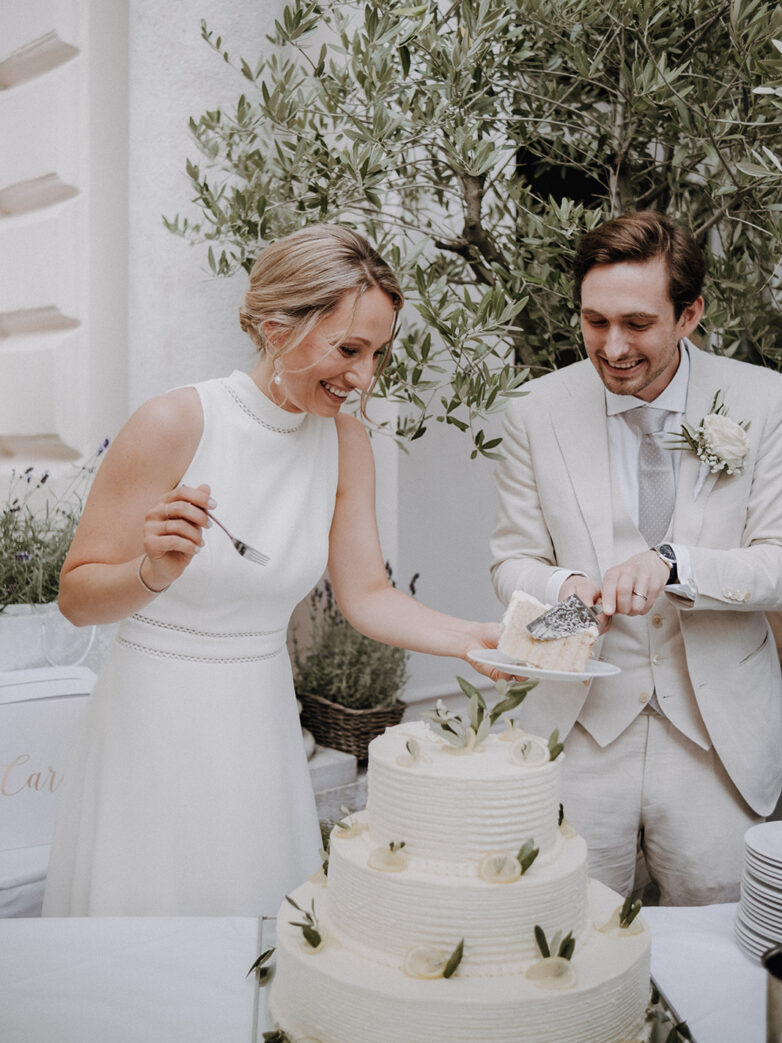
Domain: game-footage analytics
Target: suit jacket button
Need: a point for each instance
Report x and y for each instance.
(643, 697)
(657, 621)
(657, 659)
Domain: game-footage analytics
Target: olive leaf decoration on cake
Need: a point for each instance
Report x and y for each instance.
(349, 825)
(310, 928)
(276, 1036)
(555, 747)
(501, 868)
(390, 859)
(261, 968)
(565, 948)
(623, 919)
(630, 909)
(553, 971)
(427, 961)
(467, 731)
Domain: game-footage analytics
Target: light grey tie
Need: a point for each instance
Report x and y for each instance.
(656, 482)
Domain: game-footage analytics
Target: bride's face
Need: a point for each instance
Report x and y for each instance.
(338, 356)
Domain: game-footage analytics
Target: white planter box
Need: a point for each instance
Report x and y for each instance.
(40, 713)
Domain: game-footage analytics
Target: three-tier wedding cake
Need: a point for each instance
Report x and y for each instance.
(457, 907)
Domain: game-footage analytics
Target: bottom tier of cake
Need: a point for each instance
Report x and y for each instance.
(332, 995)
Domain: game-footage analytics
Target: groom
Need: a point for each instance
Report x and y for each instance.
(681, 751)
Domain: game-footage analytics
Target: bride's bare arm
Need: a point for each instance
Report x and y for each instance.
(135, 508)
(358, 574)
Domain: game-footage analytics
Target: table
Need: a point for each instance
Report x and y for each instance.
(705, 977)
(128, 980)
(183, 979)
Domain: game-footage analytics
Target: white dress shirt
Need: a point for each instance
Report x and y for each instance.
(624, 446)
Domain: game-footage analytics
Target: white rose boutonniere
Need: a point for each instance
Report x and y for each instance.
(719, 442)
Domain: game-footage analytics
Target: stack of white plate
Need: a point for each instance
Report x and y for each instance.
(759, 916)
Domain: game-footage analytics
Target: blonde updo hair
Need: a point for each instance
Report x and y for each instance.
(297, 280)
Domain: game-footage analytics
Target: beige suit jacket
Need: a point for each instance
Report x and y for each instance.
(554, 510)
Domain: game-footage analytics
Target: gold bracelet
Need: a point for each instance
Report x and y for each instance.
(145, 585)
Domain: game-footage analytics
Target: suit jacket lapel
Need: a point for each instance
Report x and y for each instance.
(579, 424)
(689, 509)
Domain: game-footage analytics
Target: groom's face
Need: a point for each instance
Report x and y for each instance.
(630, 330)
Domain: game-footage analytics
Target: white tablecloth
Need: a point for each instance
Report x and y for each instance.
(705, 976)
(183, 980)
(134, 980)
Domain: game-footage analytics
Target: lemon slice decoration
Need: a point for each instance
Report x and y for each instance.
(529, 750)
(429, 962)
(553, 972)
(411, 755)
(350, 825)
(426, 961)
(499, 868)
(391, 859)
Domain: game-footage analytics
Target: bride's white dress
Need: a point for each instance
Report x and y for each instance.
(191, 794)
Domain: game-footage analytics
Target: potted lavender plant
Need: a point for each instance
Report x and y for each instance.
(348, 685)
(36, 529)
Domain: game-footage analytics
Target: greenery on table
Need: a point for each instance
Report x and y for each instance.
(474, 141)
(344, 666)
(36, 531)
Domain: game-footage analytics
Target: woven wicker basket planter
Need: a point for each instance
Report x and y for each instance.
(343, 728)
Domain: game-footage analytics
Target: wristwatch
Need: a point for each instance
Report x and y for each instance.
(665, 553)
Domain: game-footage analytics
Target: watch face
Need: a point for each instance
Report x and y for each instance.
(667, 550)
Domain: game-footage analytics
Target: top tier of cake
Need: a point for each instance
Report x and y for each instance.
(455, 807)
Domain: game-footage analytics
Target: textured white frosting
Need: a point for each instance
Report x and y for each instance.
(335, 995)
(451, 810)
(454, 807)
(382, 915)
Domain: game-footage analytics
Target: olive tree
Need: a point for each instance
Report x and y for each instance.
(474, 141)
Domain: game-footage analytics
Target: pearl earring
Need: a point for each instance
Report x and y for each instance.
(277, 379)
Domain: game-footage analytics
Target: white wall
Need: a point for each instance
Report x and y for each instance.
(183, 323)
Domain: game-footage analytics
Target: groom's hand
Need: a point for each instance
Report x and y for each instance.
(633, 587)
(589, 594)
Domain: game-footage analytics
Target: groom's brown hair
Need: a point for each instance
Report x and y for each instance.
(640, 237)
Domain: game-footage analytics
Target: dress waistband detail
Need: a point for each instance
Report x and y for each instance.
(174, 641)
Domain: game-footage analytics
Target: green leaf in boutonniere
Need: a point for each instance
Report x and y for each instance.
(719, 442)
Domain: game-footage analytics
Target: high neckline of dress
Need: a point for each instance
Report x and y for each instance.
(260, 406)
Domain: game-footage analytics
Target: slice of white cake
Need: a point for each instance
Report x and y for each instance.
(561, 653)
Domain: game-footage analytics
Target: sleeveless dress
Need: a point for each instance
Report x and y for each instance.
(190, 795)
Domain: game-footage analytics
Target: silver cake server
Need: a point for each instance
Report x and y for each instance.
(566, 617)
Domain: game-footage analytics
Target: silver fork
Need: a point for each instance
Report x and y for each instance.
(243, 548)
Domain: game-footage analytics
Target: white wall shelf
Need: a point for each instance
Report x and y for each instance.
(36, 58)
(35, 194)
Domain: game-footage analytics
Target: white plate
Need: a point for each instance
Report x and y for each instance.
(765, 840)
(493, 657)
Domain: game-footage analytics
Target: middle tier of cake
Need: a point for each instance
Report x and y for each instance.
(382, 913)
